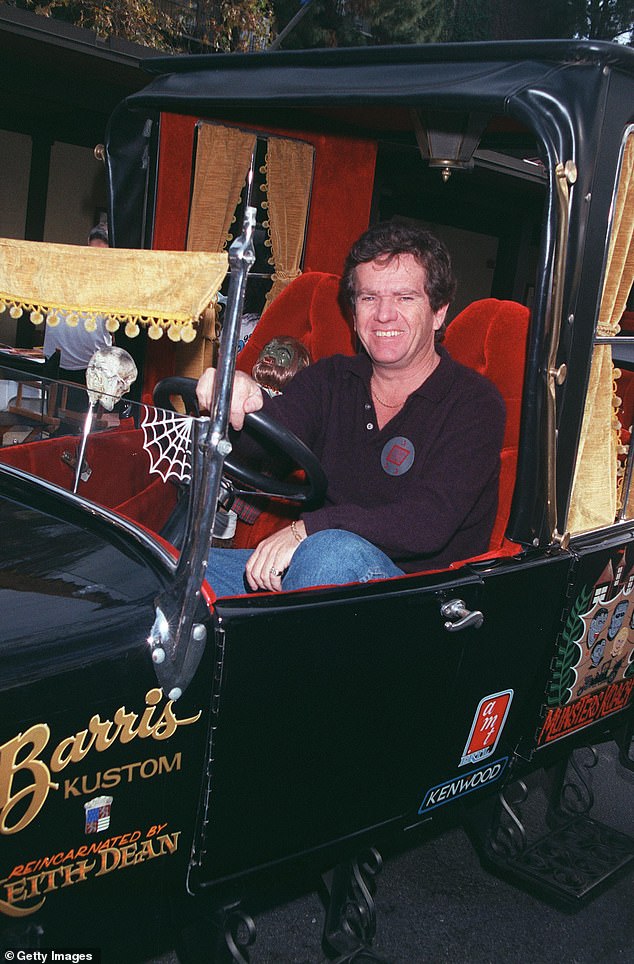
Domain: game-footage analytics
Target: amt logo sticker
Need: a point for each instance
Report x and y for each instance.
(487, 727)
(459, 786)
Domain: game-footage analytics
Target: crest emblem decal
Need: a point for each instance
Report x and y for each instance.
(487, 727)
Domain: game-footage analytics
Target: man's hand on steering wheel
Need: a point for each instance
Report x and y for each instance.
(308, 492)
(246, 398)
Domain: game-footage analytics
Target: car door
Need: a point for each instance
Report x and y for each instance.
(340, 712)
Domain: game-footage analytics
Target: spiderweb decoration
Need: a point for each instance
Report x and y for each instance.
(166, 439)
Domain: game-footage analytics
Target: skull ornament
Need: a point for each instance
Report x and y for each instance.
(109, 375)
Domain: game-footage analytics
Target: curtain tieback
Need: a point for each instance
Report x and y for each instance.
(285, 274)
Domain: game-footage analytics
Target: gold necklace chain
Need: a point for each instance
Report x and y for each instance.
(380, 400)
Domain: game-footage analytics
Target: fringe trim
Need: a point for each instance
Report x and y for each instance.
(177, 329)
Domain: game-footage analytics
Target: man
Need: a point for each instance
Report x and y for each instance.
(409, 440)
(75, 343)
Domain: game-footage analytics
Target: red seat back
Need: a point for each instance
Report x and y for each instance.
(490, 337)
(308, 309)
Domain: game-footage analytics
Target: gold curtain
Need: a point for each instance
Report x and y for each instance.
(223, 156)
(594, 494)
(165, 291)
(289, 172)
(194, 357)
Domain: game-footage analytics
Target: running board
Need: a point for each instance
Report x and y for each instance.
(571, 864)
(545, 840)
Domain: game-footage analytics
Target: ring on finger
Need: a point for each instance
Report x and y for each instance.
(276, 572)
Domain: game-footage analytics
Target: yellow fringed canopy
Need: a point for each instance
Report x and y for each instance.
(165, 290)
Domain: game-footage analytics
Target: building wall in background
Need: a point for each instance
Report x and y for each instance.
(15, 165)
(75, 197)
(76, 194)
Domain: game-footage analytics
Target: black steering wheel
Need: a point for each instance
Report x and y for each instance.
(263, 428)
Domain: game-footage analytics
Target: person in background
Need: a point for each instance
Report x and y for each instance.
(75, 343)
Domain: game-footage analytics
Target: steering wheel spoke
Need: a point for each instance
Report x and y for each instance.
(263, 428)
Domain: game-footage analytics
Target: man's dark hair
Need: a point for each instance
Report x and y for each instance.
(99, 233)
(387, 240)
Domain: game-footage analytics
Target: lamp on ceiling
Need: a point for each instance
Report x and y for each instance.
(448, 139)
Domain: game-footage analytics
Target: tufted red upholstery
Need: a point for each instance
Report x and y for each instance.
(308, 309)
(490, 337)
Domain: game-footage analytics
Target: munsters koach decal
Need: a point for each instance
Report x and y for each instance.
(593, 672)
(33, 770)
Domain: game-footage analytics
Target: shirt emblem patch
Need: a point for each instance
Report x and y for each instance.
(397, 456)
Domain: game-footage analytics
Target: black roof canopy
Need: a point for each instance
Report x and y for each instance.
(551, 88)
(490, 73)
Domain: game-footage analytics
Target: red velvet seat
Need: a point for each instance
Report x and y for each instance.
(625, 384)
(625, 391)
(308, 309)
(490, 337)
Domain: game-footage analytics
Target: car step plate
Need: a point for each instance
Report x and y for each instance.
(572, 862)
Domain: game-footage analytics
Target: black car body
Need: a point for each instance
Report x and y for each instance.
(301, 727)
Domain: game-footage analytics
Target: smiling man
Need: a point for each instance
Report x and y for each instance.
(409, 439)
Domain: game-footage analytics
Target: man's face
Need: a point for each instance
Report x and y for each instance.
(393, 318)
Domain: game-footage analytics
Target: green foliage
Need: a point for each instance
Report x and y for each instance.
(225, 25)
(140, 21)
(592, 19)
(340, 23)
(563, 676)
(425, 21)
(355, 22)
(216, 24)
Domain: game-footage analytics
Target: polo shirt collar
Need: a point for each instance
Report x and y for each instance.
(435, 388)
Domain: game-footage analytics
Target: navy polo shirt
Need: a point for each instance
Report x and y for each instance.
(424, 487)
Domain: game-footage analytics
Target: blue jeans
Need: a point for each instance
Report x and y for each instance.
(327, 558)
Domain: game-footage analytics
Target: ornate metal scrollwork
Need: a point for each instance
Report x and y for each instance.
(350, 923)
(507, 835)
(240, 934)
(576, 796)
(577, 857)
(225, 932)
(569, 856)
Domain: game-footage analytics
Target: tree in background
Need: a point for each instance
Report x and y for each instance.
(343, 23)
(223, 25)
(595, 19)
(238, 25)
(141, 21)
(348, 22)
(170, 25)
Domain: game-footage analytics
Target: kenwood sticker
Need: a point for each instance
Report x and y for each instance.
(459, 786)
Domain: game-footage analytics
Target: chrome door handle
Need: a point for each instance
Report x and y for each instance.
(459, 617)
